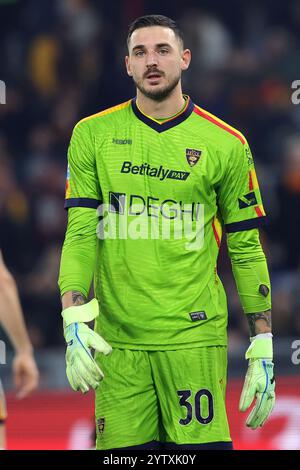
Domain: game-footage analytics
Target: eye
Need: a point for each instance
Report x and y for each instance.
(163, 51)
(139, 53)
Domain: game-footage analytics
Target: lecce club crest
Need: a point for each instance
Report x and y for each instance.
(192, 156)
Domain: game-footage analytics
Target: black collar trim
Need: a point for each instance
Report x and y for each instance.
(167, 124)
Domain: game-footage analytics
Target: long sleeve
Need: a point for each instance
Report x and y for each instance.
(79, 251)
(83, 195)
(250, 270)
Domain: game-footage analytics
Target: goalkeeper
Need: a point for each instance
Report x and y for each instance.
(160, 308)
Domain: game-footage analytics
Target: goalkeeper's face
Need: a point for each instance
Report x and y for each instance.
(156, 60)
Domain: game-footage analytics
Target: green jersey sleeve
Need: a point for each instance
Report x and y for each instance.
(250, 270)
(239, 197)
(82, 186)
(78, 256)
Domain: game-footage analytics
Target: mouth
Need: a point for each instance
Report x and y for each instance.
(153, 76)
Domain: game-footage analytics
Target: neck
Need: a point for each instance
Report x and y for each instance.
(161, 109)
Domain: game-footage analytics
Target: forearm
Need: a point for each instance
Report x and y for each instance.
(259, 323)
(78, 256)
(11, 316)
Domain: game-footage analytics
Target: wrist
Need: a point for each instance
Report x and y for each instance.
(73, 298)
(24, 350)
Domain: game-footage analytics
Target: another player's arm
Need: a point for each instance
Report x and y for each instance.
(11, 318)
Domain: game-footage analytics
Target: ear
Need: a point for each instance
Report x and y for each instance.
(186, 57)
(127, 63)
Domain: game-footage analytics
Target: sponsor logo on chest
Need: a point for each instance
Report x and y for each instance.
(154, 172)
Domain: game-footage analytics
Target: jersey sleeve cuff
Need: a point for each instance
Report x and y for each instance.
(82, 202)
(245, 224)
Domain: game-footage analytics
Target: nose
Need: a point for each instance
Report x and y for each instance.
(151, 60)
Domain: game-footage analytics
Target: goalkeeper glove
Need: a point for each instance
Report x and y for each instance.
(259, 382)
(82, 370)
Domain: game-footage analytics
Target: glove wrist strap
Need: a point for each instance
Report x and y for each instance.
(261, 347)
(261, 336)
(81, 313)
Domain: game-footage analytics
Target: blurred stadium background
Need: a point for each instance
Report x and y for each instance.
(62, 60)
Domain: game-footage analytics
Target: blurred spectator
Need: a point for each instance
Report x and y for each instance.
(209, 40)
(81, 22)
(43, 60)
(286, 226)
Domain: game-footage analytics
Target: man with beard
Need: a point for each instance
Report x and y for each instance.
(165, 177)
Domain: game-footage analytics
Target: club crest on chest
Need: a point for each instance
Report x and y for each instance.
(192, 156)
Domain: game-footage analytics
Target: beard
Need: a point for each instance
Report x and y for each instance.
(160, 94)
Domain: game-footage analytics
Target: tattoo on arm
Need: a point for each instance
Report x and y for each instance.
(78, 298)
(259, 322)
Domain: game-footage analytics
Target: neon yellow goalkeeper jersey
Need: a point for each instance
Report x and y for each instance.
(163, 191)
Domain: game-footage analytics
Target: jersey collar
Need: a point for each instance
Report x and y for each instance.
(164, 126)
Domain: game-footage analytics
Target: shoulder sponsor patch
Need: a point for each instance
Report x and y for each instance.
(247, 200)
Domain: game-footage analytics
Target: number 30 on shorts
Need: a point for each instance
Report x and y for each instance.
(203, 394)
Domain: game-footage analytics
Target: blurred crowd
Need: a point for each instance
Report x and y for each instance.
(62, 60)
